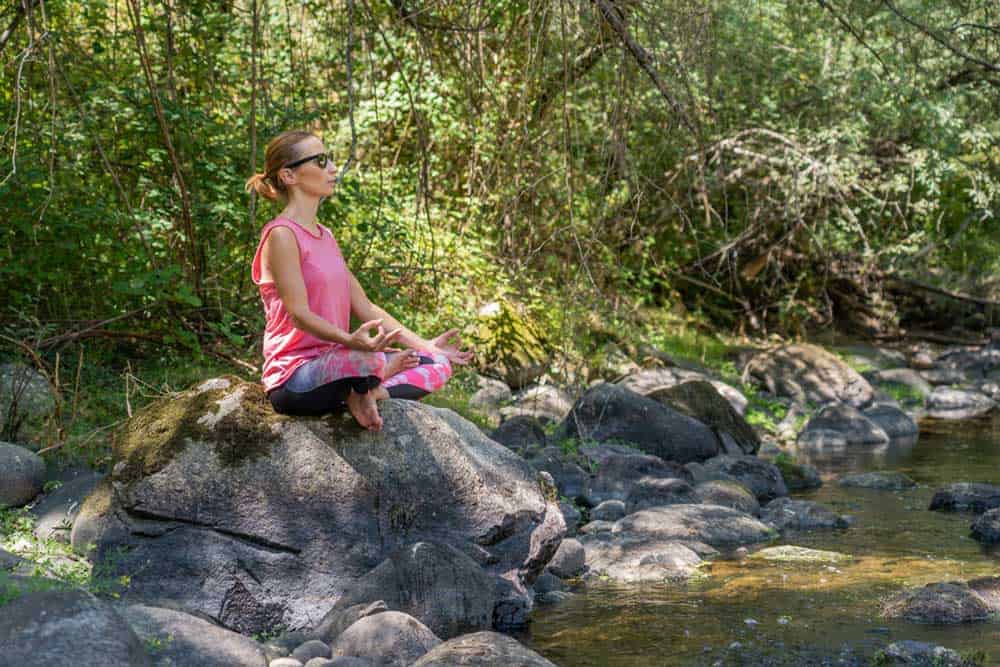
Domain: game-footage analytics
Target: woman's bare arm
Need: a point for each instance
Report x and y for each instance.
(366, 310)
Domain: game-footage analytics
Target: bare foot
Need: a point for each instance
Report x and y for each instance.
(364, 410)
(397, 362)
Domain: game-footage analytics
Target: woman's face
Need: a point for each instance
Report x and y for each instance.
(308, 177)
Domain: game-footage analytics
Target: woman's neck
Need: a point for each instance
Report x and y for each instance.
(302, 212)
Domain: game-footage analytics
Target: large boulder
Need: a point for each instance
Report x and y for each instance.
(950, 602)
(728, 493)
(571, 480)
(522, 434)
(714, 525)
(22, 474)
(636, 558)
(390, 639)
(948, 403)
(966, 496)
(653, 380)
(658, 491)
(437, 584)
(763, 478)
(788, 514)
(700, 400)
(608, 412)
(810, 373)
(617, 472)
(482, 649)
(176, 638)
(255, 520)
(67, 628)
(848, 421)
(26, 401)
(55, 512)
(986, 527)
(892, 420)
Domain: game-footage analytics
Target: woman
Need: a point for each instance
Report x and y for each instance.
(313, 363)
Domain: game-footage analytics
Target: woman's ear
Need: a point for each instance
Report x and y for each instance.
(286, 176)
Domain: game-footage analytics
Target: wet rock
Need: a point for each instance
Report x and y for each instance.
(67, 628)
(545, 403)
(26, 401)
(944, 376)
(727, 493)
(608, 412)
(794, 554)
(909, 652)
(986, 527)
(762, 477)
(964, 496)
(855, 427)
(55, 512)
(822, 439)
(798, 476)
(951, 602)
(571, 480)
(571, 517)
(569, 560)
(988, 588)
(609, 510)
(947, 403)
(656, 491)
(522, 434)
(482, 649)
(618, 470)
(514, 603)
(809, 373)
(634, 558)
(392, 639)
(714, 525)
(339, 619)
(547, 583)
(892, 420)
(652, 380)
(176, 638)
(490, 395)
(700, 400)
(22, 475)
(884, 481)
(787, 514)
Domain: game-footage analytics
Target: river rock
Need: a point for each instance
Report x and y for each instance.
(522, 434)
(55, 512)
(965, 496)
(340, 618)
(948, 403)
(986, 527)
(571, 517)
(182, 639)
(545, 403)
(482, 649)
(883, 481)
(700, 400)
(547, 583)
(22, 474)
(67, 628)
(257, 520)
(727, 493)
(798, 476)
(714, 525)
(571, 480)
(391, 639)
(909, 652)
(807, 373)
(788, 514)
(657, 491)
(309, 650)
(617, 473)
(651, 380)
(489, 396)
(608, 412)
(597, 526)
(951, 602)
(609, 510)
(762, 477)
(26, 401)
(569, 560)
(892, 420)
(849, 422)
(945, 376)
(435, 583)
(821, 439)
(635, 558)
(976, 360)
(793, 554)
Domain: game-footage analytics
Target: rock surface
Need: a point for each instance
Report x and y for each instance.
(951, 602)
(892, 420)
(716, 526)
(619, 469)
(22, 474)
(390, 639)
(257, 520)
(482, 649)
(788, 514)
(986, 527)
(949, 403)
(881, 480)
(55, 512)
(727, 493)
(30, 395)
(849, 422)
(651, 380)
(810, 373)
(522, 434)
(965, 496)
(543, 402)
(793, 554)
(634, 558)
(909, 652)
(699, 399)
(761, 477)
(569, 560)
(656, 492)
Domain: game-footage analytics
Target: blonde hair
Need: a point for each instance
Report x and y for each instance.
(280, 151)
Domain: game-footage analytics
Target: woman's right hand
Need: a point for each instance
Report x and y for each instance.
(362, 340)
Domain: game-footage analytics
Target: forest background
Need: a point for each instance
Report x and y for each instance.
(678, 174)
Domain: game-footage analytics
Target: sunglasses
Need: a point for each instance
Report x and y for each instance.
(322, 159)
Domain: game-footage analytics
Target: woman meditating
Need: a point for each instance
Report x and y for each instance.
(313, 362)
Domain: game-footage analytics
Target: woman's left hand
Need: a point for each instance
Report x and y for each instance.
(449, 344)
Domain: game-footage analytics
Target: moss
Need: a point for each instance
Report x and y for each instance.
(98, 503)
(160, 431)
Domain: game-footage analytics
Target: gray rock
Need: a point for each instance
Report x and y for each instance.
(636, 557)
(727, 493)
(571, 480)
(598, 526)
(285, 662)
(618, 471)
(313, 648)
(798, 476)
(521, 434)
(945, 376)
(909, 652)
(337, 620)
(608, 412)
(22, 475)
(656, 491)
(964, 496)
(892, 420)
(392, 639)
(849, 422)
(569, 560)
(986, 527)
(490, 395)
(951, 602)
(26, 401)
(543, 402)
(571, 517)
(548, 582)
(762, 477)
(807, 373)
(67, 628)
(9, 561)
(256, 520)
(987, 588)
(482, 649)
(609, 510)
(176, 638)
(648, 381)
(514, 603)
(714, 525)
(822, 439)
(700, 400)
(947, 403)
(435, 583)
(283, 645)
(885, 481)
(787, 514)
(55, 512)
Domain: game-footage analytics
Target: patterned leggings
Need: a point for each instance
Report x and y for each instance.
(323, 384)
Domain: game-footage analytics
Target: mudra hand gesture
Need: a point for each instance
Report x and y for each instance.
(449, 344)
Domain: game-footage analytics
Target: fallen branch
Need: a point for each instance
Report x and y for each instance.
(958, 296)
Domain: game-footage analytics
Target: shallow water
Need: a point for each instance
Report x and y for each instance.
(804, 610)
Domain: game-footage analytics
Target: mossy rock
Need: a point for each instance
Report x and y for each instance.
(700, 400)
(509, 345)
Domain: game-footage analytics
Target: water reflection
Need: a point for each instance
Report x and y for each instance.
(843, 458)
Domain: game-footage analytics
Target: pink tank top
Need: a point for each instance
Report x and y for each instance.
(329, 294)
